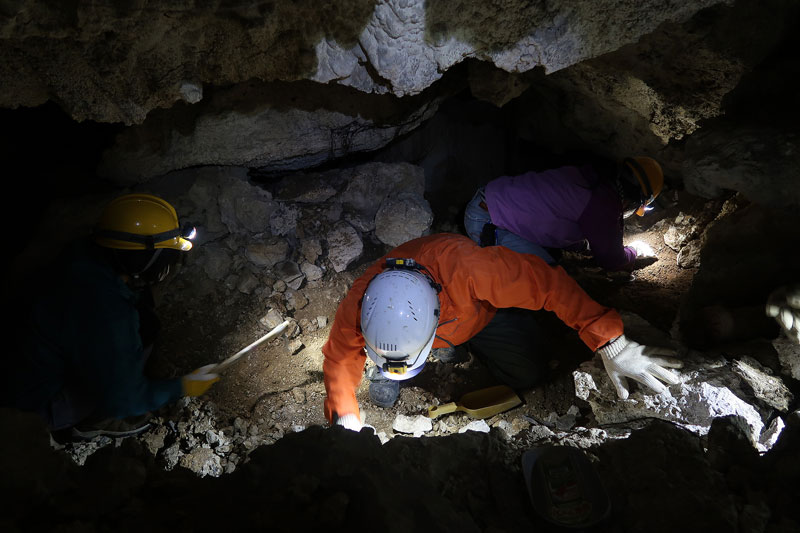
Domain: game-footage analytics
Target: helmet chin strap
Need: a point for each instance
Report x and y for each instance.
(153, 259)
(137, 278)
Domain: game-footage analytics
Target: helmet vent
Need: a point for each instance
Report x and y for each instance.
(411, 311)
(386, 347)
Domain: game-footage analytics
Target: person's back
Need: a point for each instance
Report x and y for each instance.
(543, 207)
(575, 208)
(79, 305)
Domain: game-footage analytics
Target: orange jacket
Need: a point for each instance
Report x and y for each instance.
(475, 283)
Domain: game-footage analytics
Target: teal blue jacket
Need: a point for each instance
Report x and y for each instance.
(83, 330)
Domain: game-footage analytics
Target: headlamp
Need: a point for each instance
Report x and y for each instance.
(189, 232)
(645, 206)
(395, 367)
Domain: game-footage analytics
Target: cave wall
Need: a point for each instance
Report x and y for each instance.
(326, 83)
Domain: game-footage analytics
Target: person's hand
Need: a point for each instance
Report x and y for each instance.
(645, 256)
(353, 423)
(349, 421)
(642, 249)
(625, 358)
(199, 381)
(784, 305)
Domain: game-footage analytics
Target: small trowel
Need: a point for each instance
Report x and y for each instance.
(481, 403)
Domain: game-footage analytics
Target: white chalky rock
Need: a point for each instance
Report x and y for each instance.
(416, 425)
(402, 218)
(766, 387)
(770, 435)
(706, 391)
(476, 425)
(788, 355)
(344, 246)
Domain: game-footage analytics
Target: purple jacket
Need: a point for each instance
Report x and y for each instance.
(560, 208)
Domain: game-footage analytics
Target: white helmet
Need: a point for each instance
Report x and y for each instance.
(399, 316)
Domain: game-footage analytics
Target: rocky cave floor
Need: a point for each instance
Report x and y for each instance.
(278, 388)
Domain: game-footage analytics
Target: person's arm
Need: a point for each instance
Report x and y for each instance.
(505, 278)
(601, 223)
(343, 365)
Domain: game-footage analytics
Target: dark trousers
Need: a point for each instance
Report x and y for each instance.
(513, 347)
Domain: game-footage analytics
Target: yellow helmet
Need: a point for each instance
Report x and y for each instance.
(141, 222)
(650, 177)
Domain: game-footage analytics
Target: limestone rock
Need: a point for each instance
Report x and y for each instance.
(476, 425)
(295, 300)
(704, 392)
(202, 461)
(311, 188)
(689, 256)
(247, 283)
(154, 438)
(507, 431)
(206, 183)
(172, 455)
(311, 249)
(416, 425)
(216, 261)
(344, 246)
(311, 272)
(622, 103)
(266, 126)
(766, 387)
(237, 197)
(789, 356)
(295, 345)
(289, 273)
(770, 435)
(272, 319)
(680, 232)
(88, 58)
(283, 220)
(761, 163)
(402, 218)
(255, 214)
(266, 254)
(371, 184)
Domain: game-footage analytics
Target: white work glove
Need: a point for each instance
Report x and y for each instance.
(642, 249)
(645, 256)
(784, 305)
(349, 421)
(625, 358)
(353, 423)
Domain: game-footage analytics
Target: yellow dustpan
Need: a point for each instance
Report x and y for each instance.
(481, 403)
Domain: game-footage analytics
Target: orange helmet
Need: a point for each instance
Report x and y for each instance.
(650, 177)
(142, 222)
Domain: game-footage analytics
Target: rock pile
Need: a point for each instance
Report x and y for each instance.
(255, 240)
(659, 479)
